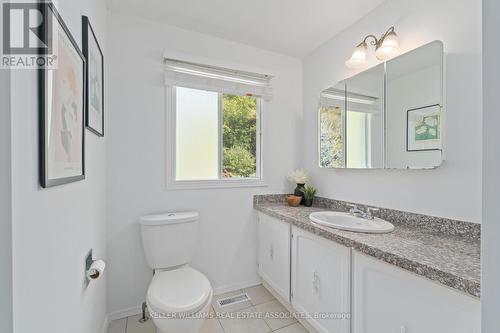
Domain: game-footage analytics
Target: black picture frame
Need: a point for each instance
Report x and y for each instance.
(88, 32)
(43, 98)
(407, 128)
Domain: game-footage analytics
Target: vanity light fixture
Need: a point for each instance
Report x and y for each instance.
(386, 47)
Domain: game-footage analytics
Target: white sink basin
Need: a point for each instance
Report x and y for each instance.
(346, 221)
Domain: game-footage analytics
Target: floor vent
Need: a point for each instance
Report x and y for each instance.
(223, 302)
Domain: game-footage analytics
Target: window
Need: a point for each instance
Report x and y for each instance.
(206, 149)
(214, 137)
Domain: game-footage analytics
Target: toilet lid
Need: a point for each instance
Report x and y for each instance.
(179, 290)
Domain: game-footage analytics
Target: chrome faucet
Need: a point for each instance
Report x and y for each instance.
(369, 211)
(355, 211)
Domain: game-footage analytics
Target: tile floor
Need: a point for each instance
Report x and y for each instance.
(226, 322)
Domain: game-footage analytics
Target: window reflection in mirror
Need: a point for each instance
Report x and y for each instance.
(332, 127)
(365, 119)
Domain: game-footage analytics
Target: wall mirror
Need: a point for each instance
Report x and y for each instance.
(387, 117)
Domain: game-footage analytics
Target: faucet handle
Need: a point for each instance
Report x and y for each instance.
(370, 210)
(353, 207)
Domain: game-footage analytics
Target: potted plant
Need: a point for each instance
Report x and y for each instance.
(309, 194)
(300, 178)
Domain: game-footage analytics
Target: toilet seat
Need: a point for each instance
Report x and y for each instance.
(181, 290)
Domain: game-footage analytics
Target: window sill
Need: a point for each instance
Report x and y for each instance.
(216, 183)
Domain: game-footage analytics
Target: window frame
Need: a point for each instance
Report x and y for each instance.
(170, 157)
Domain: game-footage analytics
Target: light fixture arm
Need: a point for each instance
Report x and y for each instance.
(376, 42)
(390, 30)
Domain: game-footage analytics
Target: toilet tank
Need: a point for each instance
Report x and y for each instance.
(169, 239)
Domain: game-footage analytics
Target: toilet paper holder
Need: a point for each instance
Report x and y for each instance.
(93, 268)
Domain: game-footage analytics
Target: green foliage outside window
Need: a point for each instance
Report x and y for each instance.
(238, 162)
(239, 135)
(331, 138)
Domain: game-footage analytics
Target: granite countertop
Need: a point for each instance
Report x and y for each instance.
(449, 258)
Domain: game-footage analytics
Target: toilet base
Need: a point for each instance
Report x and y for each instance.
(179, 324)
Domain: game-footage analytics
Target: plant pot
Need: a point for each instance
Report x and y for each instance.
(293, 200)
(308, 202)
(299, 191)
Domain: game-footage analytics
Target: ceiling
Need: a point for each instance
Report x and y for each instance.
(292, 27)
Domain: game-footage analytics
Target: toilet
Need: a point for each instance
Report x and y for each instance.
(178, 296)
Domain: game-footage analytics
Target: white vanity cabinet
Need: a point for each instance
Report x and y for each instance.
(321, 280)
(389, 299)
(273, 254)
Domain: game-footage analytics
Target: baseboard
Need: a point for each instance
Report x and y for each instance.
(236, 286)
(124, 313)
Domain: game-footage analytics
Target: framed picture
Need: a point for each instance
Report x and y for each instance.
(61, 99)
(94, 101)
(424, 128)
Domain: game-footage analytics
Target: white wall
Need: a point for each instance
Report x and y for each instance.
(5, 205)
(54, 228)
(453, 190)
(490, 289)
(136, 155)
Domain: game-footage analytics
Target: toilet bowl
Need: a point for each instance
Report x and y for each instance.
(178, 296)
(179, 300)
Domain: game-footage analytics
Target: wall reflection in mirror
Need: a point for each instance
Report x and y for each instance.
(389, 116)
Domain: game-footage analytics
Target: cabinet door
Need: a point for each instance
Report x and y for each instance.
(274, 254)
(321, 281)
(389, 299)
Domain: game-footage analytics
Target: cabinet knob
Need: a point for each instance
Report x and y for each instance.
(271, 252)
